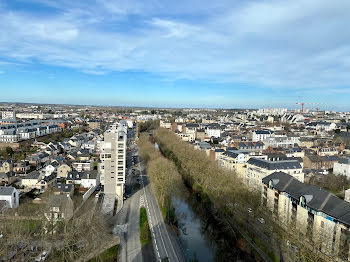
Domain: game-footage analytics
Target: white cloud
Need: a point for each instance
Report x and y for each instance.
(281, 44)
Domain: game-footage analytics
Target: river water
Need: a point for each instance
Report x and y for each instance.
(196, 244)
(200, 236)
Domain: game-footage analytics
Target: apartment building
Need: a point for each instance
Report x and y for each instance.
(83, 165)
(260, 135)
(8, 114)
(342, 167)
(190, 131)
(318, 216)
(234, 161)
(327, 151)
(281, 141)
(113, 160)
(257, 169)
(213, 130)
(165, 124)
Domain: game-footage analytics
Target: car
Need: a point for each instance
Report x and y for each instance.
(97, 195)
(250, 210)
(261, 220)
(43, 256)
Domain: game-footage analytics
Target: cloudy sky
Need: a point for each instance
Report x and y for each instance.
(199, 53)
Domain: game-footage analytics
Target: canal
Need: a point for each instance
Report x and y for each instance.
(201, 236)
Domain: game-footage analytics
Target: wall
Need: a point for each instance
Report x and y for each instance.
(89, 193)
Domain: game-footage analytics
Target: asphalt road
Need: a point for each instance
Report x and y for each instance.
(164, 240)
(127, 224)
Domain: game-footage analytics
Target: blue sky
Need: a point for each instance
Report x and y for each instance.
(198, 53)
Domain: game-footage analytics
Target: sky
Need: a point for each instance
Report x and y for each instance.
(184, 53)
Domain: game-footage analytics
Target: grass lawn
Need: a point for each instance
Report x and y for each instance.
(145, 233)
(110, 255)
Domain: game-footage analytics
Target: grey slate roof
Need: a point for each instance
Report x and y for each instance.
(344, 161)
(33, 175)
(317, 199)
(274, 165)
(263, 132)
(6, 190)
(66, 188)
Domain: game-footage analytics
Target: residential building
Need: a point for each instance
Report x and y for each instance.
(63, 170)
(295, 152)
(320, 162)
(7, 178)
(258, 168)
(94, 124)
(8, 115)
(320, 218)
(83, 165)
(90, 179)
(234, 161)
(63, 189)
(213, 130)
(327, 151)
(9, 197)
(6, 166)
(165, 124)
(190, 131)
(250, 146)
(31, 180)
(342, 167)
(74, 177)
(113, 161)
(281, 141)
(59, 207)
(260, 135)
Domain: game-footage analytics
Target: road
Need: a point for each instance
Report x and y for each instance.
(164, 240)
(127, 224)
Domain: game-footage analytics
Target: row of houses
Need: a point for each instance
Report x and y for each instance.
(15, 132)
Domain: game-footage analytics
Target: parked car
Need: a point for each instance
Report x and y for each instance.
(261, 220)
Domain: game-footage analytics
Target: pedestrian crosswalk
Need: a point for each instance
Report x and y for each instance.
(142, 201)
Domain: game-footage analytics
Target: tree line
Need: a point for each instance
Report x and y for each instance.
(162, 174)
(231, 200)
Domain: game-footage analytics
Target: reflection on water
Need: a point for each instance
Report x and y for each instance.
(193, 240)
(201, 235)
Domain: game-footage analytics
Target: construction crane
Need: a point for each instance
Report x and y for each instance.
(303, 103)
(302, 106)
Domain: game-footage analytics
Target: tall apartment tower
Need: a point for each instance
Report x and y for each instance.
(113, 160)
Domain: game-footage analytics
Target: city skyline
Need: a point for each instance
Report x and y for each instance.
(225, 54)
